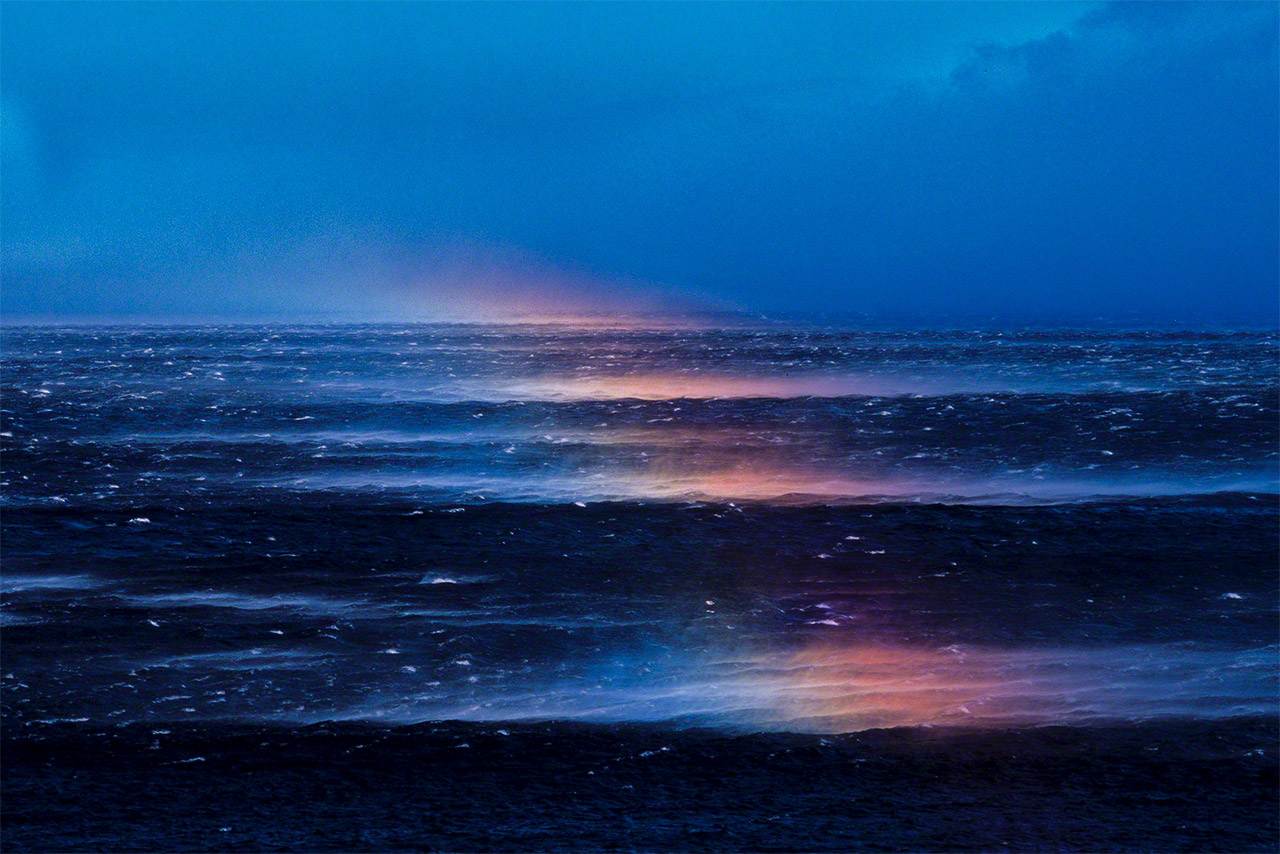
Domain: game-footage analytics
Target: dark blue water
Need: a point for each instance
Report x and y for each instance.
(697, 536)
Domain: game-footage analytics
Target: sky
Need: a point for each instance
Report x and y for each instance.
(191, 161)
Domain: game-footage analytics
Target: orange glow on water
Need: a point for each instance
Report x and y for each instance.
(832, 687)
(753, 484)
(700, 386)
(835, 688)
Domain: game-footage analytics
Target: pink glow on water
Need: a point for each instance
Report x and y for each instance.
(674, 386)
(829, 686)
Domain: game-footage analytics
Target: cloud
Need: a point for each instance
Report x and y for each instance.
(1014, 158)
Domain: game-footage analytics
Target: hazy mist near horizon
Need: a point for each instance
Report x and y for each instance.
(892, 162)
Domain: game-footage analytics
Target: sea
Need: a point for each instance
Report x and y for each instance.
(638, 587)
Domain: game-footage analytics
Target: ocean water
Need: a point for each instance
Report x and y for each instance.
(733, 542)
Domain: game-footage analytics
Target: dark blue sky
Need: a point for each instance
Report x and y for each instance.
(169, 160)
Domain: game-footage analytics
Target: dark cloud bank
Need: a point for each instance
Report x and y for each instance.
(203, 161)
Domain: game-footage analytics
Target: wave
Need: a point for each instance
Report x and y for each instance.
(832, 688)
(793, 487)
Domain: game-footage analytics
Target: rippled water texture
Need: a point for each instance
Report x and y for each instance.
(787, 529)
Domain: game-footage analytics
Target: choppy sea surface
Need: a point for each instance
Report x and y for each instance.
(714, 546)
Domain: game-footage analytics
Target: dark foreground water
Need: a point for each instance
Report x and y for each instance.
(542, 588)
